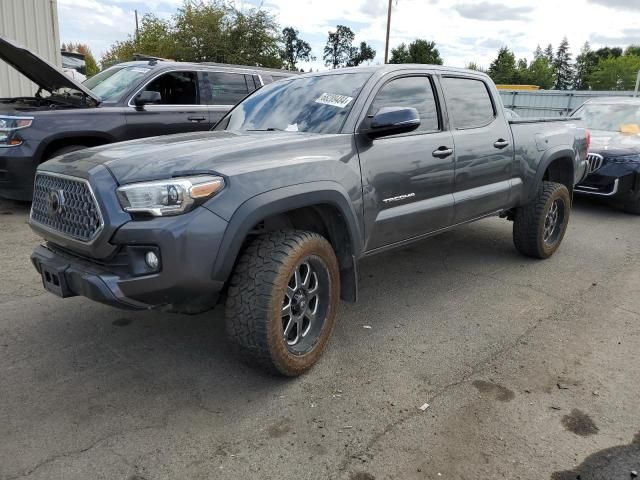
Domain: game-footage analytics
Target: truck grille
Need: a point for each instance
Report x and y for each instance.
(595, 162)
(66, 205)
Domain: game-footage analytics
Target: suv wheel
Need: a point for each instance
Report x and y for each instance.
(282, 300)
(63, 150)
(539, 227)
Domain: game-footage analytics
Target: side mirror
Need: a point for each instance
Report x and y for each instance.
(145, 98)
(393, 120)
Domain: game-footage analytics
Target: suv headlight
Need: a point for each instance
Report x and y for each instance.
(169, 197)
(8, 125)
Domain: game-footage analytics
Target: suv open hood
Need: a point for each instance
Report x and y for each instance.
(38, 70)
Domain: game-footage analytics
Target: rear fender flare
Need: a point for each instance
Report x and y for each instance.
(548, 157)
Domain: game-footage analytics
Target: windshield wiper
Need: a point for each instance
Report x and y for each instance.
(269, 129)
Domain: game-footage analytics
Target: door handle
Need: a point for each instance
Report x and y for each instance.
(196, 119)
(501, 143)
(442, 152)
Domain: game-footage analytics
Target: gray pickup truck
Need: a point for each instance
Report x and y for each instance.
(273, 209)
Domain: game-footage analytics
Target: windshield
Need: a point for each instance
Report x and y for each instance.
(112, 83)
(318, 104)
(613, 117)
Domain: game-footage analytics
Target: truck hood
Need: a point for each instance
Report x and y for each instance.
(614, 143)
(38, 70)
(222, 152)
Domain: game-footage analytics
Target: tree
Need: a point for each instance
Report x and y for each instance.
(418, 51)
(338, 50)
(294, 49)
(585, 64)
(503, 69)
(206, 31)
(360, 55)
(562, 66)
(91, 66)
(607, 52)
(538, 53)
(541, 73)
(474, 66)
(633, 50)
(548, 53)
(156, 38)
(615, 73)
(400, 54)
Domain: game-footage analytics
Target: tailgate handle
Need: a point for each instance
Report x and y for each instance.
(196, 119)
(442, 152)
(501, 143)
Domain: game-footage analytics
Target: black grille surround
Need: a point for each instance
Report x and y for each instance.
(66, 205)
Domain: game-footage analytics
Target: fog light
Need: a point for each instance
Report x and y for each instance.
(152, 260)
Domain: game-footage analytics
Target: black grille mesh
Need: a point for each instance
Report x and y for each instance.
(78, 216)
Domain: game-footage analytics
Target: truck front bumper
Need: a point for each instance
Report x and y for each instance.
(185, 245)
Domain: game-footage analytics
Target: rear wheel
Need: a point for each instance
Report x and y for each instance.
(282, 300)
(539, 227)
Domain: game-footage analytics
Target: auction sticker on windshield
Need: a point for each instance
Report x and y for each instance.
(334, 100)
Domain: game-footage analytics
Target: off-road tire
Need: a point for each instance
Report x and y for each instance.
(254, 306)
(529, 222)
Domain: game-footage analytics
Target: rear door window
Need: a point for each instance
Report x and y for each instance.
(220, 88)
(468, 102)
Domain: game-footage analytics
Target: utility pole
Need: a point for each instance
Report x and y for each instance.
(137, 29)
(386, 45)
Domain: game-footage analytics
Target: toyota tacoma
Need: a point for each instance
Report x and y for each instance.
(272, 210)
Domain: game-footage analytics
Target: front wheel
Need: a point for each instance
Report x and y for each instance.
(282, 300)
(539, 227)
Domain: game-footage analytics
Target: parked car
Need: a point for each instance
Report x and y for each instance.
(614, 156)
(127, 101)
(296, 184)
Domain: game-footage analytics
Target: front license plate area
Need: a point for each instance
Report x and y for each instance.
(54, 281)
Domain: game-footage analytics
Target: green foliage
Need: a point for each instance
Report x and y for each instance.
(205, 31)
(418, 51)
(633, 50)
(474, 66)
(91, 66)
(364, 53)
(615, 73)
(586, 63)
(338, 50)
(294, 49)
(562, 66)
(606, 52)
(540, 73)
(503, 69)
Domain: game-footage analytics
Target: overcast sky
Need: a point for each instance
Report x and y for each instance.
(464, 30)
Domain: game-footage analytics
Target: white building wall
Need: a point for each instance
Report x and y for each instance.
(32, 24)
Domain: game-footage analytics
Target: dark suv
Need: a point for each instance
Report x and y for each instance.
(127, 101)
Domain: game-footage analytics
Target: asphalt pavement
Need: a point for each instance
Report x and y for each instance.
(529, 368)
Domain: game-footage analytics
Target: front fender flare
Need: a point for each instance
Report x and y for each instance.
(281, 200)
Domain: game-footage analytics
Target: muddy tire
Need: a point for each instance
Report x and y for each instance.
(282, 301)
(539, 227)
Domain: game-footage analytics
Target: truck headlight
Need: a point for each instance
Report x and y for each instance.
(8, 127)
(168, 197)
